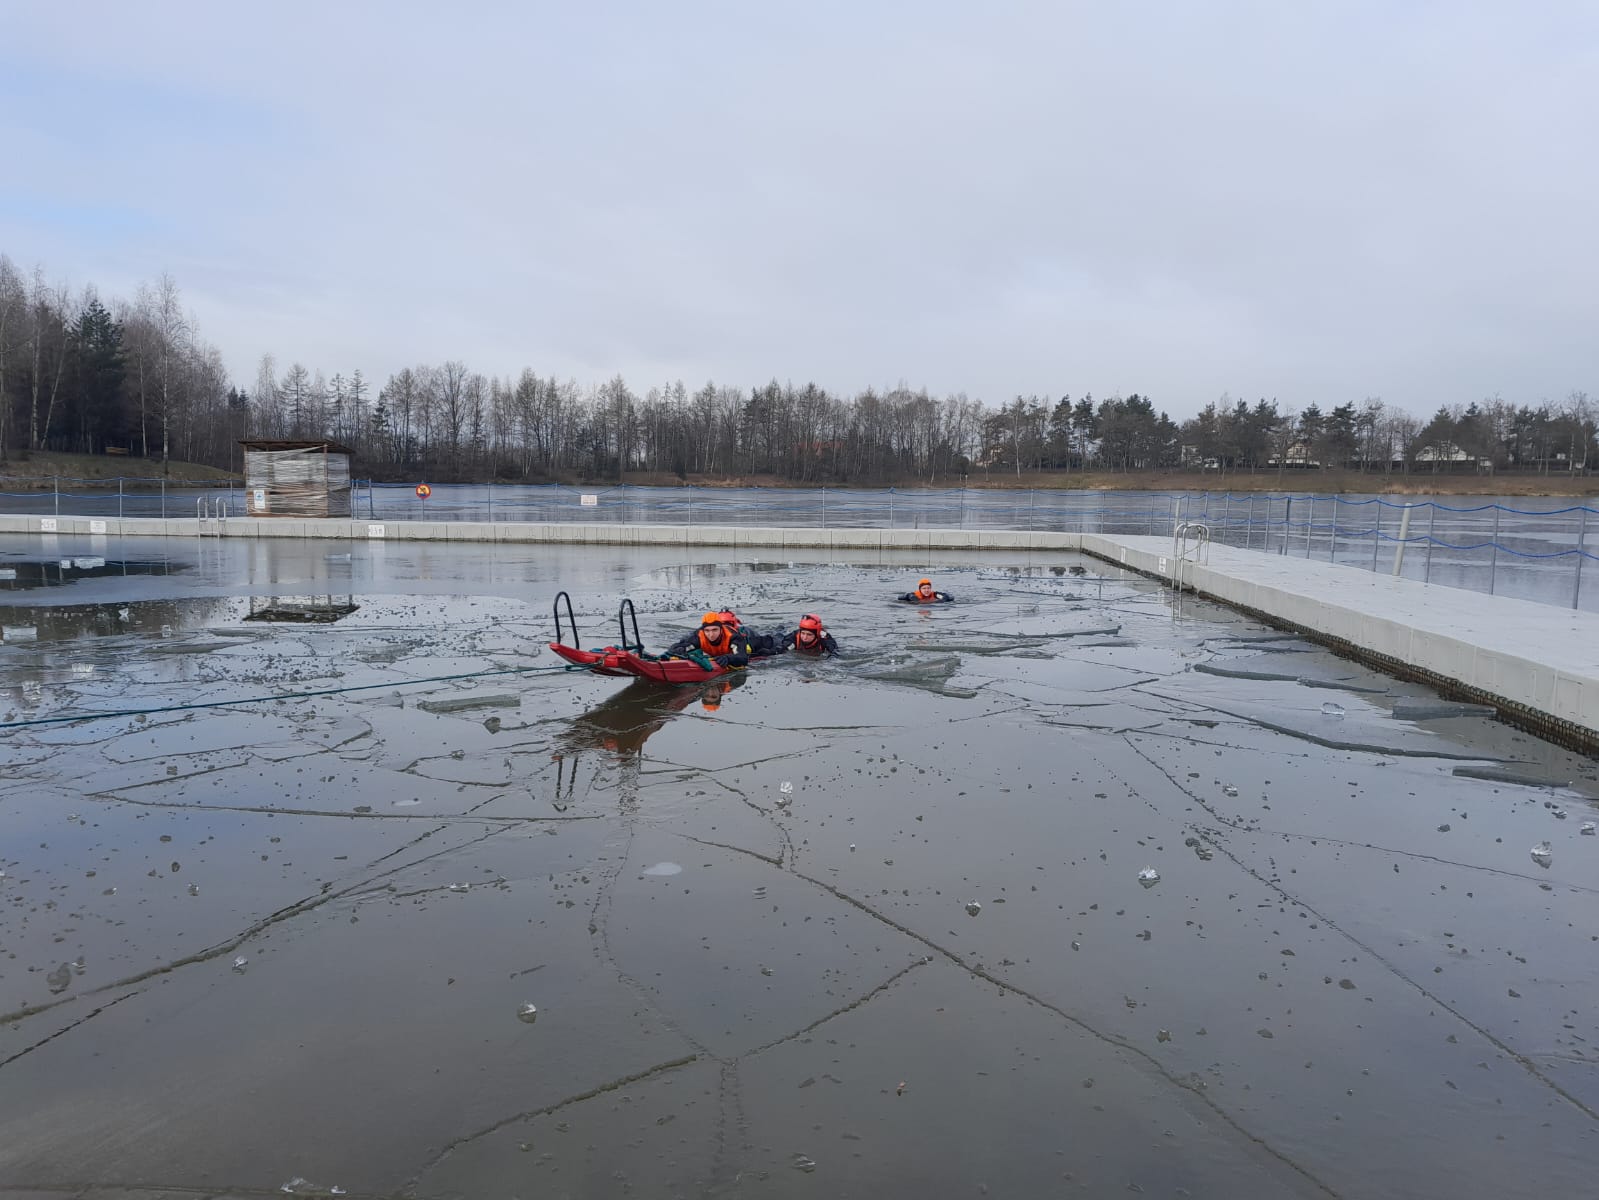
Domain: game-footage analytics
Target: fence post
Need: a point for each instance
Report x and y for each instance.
(1376, 538)
(1310, 524)
(491, 502)
(824, 506)
(891, 508)
(1404, 534)
(1288, 510)
(119, 497)
(1493, 563)
(691, 504)
(163, 498)
(55, 482)
(1582, 541)
(1031, 500)
(1432, 520)
(1226, 511)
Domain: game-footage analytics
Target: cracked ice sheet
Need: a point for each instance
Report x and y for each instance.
(1008, 1078)
(348, 1052)
(1199, 969)
(1514, 964)
(756, 953)
(1363, 799)
(244, 866)
(1296, 711)
(658, 1136)
(323, 785)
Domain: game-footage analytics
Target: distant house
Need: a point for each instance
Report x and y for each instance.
(1444, 456)
(296, 478)
(1297, 455)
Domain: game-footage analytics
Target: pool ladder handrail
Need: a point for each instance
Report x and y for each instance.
(211, 515)
(1188, 538)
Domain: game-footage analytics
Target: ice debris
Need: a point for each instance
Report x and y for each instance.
(1149, 877)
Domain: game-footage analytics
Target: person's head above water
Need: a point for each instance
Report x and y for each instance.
(730, 619)
(713, 630)
(810, 631)
(924, 588)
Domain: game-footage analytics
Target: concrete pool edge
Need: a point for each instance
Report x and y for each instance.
(553, 532)
(1515, 655)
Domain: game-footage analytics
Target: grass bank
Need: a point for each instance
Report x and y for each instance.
(41, 468)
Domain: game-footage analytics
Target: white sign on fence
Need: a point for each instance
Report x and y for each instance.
(260, 500)
(8, 573)
(96, 526)
(47, 524)
(588, 501)
(374, 531)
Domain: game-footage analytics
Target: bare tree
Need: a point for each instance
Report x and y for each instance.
(268, 400)
(173, 328)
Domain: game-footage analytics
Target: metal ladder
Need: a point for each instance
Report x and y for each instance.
(1190, 543)
(211, 516)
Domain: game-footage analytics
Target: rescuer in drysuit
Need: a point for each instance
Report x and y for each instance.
(811, 637)
(715, 640)
(752, 641)
(924, 594)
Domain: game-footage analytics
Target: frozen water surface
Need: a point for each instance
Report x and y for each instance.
(284, 939)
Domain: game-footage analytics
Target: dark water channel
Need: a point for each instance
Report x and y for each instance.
(880, 926)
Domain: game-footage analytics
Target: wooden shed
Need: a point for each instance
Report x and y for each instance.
(296, 479)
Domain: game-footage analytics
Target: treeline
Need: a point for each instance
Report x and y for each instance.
(134, 377)
(1487, 436)
(78, 374)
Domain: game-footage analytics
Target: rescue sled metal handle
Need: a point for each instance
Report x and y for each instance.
(624, 613)
(570, 618)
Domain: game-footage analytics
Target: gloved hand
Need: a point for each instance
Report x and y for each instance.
(736, 659)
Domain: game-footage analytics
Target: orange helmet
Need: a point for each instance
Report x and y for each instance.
(811, 621)
(729, 618)
(711, 618)
(924, 583)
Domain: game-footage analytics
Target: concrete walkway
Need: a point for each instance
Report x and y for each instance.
(1537, 663)
(561, 532)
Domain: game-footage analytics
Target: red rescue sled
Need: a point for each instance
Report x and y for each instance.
(629, 659)
(601, 662)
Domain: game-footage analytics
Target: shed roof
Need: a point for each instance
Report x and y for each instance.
(314, 444)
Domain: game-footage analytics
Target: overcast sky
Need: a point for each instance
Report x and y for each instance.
(1317, 202)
